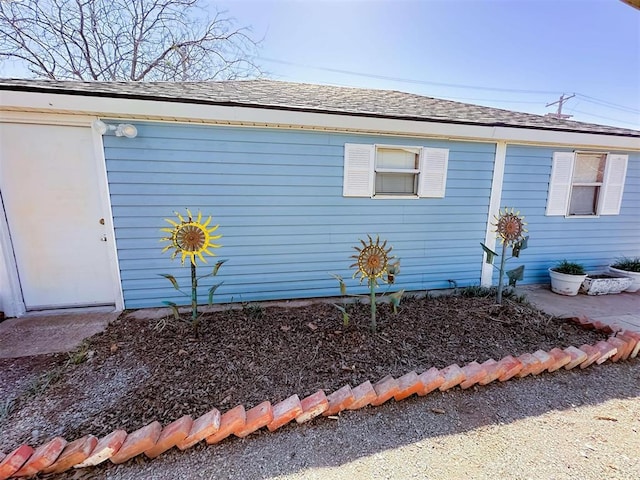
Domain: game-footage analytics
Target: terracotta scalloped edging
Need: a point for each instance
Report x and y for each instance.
(153, 440)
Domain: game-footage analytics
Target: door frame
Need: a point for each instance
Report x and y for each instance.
(11, 299)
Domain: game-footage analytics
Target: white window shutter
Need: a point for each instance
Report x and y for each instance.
(560, 184)
(358, 170)
(613, 185)
(433, 172)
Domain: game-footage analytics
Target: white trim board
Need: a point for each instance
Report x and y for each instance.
(103, 190)
(263, 117)
(490, 239)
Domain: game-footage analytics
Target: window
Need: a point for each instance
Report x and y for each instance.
(394, 171)
(586, 184)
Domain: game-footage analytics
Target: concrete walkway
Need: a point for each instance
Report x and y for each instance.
(63, 331)
(622, 309)
(42, 333)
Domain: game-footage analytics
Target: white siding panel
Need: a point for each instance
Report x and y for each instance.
(593, 241)
(278, 197)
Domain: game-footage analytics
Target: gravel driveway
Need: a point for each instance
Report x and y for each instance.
(579, 424)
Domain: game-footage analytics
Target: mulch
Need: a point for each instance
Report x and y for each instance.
(255, 353)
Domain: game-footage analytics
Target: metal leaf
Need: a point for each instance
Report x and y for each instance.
(212, 290)
(515, 275)
(218, 265)
(174, 308)
(343, 286)
(172, 279)
(345, 315)
(395, 298)
(490, 253)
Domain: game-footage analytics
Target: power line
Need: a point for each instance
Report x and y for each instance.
(608, 104)
(449, 97)
(606, 118)
(454, 85)
(408, 80)
(587, 98)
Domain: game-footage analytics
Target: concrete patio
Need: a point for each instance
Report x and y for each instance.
(51, 332)
(622, 309)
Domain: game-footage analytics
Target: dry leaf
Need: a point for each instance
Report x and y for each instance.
(438, 410)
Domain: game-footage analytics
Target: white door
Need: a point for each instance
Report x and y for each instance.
(49, 186)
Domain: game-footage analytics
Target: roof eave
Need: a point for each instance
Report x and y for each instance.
(236, 113)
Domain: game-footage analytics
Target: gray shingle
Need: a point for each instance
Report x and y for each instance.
(316, 98)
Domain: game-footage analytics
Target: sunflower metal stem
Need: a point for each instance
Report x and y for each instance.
(372, 296)
(194, 298)
(503, 259)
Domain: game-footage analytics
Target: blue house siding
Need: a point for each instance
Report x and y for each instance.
(595, 242)
(277, 195)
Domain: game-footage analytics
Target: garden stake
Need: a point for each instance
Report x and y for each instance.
(191, 238)
(510, 229)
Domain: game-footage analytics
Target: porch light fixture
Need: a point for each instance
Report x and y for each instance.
(121, 130)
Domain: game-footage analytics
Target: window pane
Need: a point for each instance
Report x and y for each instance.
(396, 158)
(584, 200)
(589, 168)
(395, 184)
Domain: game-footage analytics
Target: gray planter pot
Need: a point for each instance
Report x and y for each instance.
(604, 284)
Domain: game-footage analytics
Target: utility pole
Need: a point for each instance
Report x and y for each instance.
(560, 102)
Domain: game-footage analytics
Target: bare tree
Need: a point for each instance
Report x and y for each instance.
(135, 40)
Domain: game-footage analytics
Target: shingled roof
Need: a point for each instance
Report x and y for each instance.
(305, 97)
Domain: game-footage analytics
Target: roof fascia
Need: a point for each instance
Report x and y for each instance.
(273, 118)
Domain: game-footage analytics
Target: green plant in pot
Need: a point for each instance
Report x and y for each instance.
(628, 267)
(567, 277)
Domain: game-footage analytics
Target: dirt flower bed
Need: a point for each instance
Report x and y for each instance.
(139, 371)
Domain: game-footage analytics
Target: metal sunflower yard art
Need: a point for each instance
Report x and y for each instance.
(372, 264)
(510, 229)
(191, 238)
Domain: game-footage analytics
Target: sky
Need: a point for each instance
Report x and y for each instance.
(514, 54)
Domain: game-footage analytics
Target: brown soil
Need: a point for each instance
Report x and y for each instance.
(162, 371)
